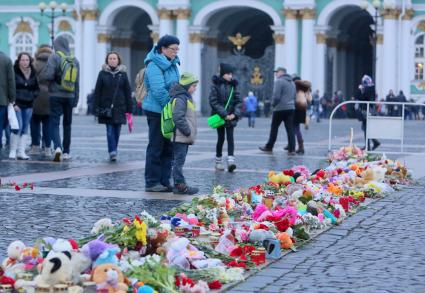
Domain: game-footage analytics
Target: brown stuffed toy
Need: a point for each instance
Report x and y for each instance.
(156, 242)
(110, 277)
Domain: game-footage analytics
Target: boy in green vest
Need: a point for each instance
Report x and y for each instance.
(184, 117)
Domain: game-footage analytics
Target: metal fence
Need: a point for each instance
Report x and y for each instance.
(379, 127)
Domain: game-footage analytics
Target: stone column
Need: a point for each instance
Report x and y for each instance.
(103, 46)
(407, 53)
(88, 67)
(332, 51)
(379, 65)
(390, 55)
(154, 33)
(308, 16)
(279, 43)
(291, 41)
(165, 22)
(78, 35)
(195, 53)
(319, 63)
(183, 35)
(342, 69)
(122, 45)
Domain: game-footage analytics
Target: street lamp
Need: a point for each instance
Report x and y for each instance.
(53, 6)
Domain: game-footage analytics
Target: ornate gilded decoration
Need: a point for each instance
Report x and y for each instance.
(65, 25)
(408, 14)
(89, 14)
(290, 13)
(380, 39)
(165, 13)
(279, 38)
(182, 13)
(256, 77)
(238, 41)
(23, 27)
(421, 26)
(74, 14)
(308, 13)
(321, 38)
(195, 37)
(103, 38)
(391, 13)
(155, 37)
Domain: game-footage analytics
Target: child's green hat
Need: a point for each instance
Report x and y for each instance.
(187, 79)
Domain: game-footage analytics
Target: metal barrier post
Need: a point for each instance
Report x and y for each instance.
(402, 127)
(366, 128)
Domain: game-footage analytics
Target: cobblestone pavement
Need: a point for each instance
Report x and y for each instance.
(379, 249)
(70, 196)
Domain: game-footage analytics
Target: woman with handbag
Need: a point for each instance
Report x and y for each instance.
(26, 92)
(226, 103)
(112, 100)
(303, 98)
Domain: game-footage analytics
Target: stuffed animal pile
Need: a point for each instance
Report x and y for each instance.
(212, 240)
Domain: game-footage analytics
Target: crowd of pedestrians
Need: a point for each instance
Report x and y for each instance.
(35, 94)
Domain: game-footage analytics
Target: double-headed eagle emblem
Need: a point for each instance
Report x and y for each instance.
(238, 41)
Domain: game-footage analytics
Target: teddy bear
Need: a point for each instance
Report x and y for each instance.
(14, 253)
(156, 241)
(109, 276)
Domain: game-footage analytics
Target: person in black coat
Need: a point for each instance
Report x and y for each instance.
(26, 91)
(366, 92)
(112, 100)
(220, 91)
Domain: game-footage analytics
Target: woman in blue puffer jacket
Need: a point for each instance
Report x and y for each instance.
(161, 73)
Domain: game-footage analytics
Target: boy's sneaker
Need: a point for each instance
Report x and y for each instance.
(66, 157)
(58, 154)
(184, 189)
(231, 166)
(48, 152)
(219, 164)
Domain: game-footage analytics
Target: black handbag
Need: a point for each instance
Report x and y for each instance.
(106, 113)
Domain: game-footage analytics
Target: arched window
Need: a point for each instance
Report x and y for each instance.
(23, 36)
(419, 57)
(24, 43)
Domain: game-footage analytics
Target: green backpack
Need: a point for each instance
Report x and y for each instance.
(69, 72)
(167, 123)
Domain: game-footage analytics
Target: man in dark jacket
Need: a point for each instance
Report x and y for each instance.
(62, 99)
(283, 102)
(7, 89)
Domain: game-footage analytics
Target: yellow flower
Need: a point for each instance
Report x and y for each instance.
(141, 231)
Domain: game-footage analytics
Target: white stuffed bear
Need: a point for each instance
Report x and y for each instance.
(14, 253)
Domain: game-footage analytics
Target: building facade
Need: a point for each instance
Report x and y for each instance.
(330, 42)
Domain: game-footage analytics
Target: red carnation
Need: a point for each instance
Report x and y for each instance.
(236, 252)
(344, 202)
(126, 221)
(337, 213)
(235, 263)
(17, 188)
(288, 172)
(74, 244)
(282, 225)
(24, 185)
(321, 173)
(7, 281)
(215, 285)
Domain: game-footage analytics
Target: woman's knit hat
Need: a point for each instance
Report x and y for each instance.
(167, 40)
(225, 68)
